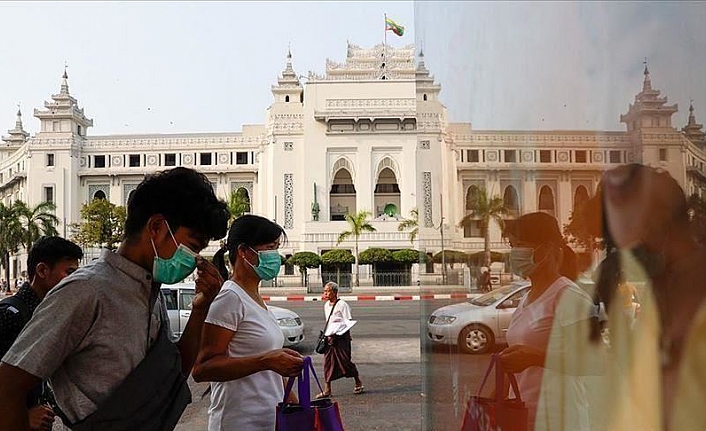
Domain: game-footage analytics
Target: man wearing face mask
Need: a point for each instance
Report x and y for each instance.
(102, 335)
(548, 325)
(241, 354)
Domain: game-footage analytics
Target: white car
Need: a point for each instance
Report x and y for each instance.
(179, 296)
(479, 324)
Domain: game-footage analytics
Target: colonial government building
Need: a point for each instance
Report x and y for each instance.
(370, 134)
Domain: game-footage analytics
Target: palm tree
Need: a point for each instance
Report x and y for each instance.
(484, 209)
(358, 223)
(238, 203)
(11, 235)
(411, 223)
(36, 221)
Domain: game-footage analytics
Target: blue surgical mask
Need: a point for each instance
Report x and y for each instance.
(176, 268)
(268, 265)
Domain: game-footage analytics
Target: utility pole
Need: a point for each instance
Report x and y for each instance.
(441, 229)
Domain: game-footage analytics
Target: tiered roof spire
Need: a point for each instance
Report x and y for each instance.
(18, 135)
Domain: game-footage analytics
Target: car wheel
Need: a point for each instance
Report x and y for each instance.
(475, 339)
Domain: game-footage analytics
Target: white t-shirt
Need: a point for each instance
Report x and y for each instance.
(248, 403)
(555, 400)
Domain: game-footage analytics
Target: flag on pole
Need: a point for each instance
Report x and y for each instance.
(394, 27)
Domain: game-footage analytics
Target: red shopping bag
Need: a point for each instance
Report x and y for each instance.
(498, 413)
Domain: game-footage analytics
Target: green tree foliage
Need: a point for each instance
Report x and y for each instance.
(411, 223)
(11, 235)
(485, 209)
(585, 227)
(375, 255)
(337, 257)
(36, 221)
(101, 224)
(408, 256)
(358, 223)
(238, 203)
(305, 260)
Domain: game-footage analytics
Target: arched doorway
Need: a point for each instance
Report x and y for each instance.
(387, 194)
(511, 201)
(342, 195)
(99, 194)
(546, 201)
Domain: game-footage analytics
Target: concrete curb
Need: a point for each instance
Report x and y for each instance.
(373, 297)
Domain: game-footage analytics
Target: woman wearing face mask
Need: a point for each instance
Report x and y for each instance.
(547, 326)
(657, 379)
(241, 351)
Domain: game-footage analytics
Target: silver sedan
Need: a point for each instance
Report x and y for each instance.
(477, 325)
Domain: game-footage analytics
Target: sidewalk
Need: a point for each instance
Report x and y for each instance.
(372, 293)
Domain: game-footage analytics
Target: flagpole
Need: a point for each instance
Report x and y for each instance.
(384, 46)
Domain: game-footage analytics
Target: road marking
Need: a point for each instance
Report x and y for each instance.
(373, 297)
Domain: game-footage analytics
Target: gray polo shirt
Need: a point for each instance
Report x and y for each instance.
(90, 332)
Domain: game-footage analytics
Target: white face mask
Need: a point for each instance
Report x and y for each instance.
(522, 261)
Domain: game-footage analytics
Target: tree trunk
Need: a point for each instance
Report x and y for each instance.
(357, 275)
(6, 265)
(486, 244)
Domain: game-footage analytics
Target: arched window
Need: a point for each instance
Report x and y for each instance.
(546, 200)
(301, 97)
(286, 98)
(100, 194)
(386, 193)
(243, 199)
(474, 228)
(511, 201)
(580, 196)
(342, 195)
(425, 97)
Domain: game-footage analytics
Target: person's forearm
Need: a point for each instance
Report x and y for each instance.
(190, 340)
(222, 368)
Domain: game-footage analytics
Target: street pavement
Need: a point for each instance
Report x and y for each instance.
(409, 385)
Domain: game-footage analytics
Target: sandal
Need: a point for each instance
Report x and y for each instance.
(322, 395)
(359, 389)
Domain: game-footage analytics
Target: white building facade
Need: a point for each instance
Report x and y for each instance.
(370, 134)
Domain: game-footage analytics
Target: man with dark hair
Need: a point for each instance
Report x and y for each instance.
(102, 336)
(50, 259)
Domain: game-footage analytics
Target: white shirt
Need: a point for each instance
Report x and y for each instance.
(341, 313)
(247, 403)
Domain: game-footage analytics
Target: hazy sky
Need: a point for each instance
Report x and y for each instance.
(206, 67)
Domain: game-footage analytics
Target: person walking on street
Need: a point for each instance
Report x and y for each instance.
(241, 353)
(50, 260)
(102, 335)
(337, 359)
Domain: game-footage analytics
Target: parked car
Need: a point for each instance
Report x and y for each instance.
(479, 324)
(179, 297)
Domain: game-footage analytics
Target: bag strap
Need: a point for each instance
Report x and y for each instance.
(303, 390)
(20, 305)
(330, 314)
(499, 381)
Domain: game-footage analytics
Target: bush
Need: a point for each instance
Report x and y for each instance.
(337, 256)
(305, 259)
(408, 256)
(374, 255)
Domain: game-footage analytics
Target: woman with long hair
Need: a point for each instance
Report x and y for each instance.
(547, 325)
(241, 351)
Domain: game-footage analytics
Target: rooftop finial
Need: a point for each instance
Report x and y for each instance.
(646, 84)
(289, 51)
(64, 81)
(19, 111)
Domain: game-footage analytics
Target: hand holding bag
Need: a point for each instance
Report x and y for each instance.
(318, 415)
(498, 413)
(322, 344)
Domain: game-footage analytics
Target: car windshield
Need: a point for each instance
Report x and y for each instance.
(492, 297)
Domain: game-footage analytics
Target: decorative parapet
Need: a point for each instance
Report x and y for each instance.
(172, 142)
(368, 108)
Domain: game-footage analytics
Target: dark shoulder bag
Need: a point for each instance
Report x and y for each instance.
(321, 344)
(151, 398)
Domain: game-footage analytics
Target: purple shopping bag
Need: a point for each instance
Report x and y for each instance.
(308, 415)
